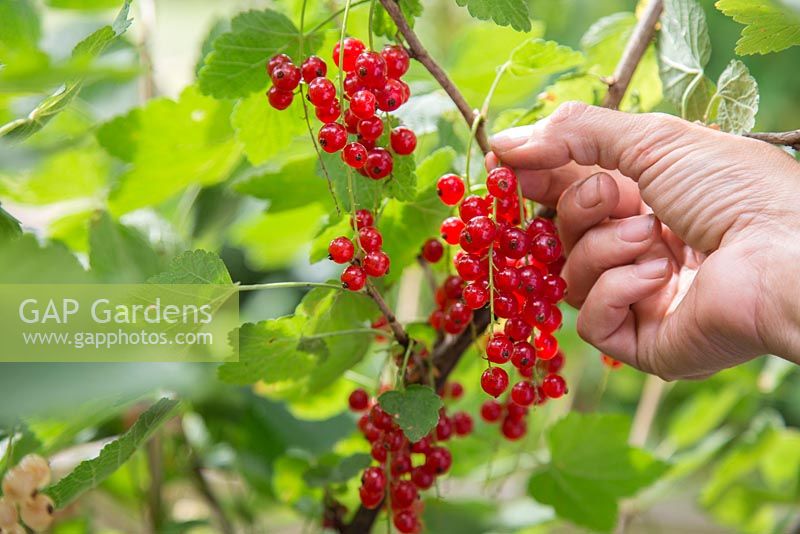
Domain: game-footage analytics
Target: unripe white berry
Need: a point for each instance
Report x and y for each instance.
(8, 514)
(37, 467)
(18, 485)
(37, 512)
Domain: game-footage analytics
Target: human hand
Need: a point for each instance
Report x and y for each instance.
(683, 259)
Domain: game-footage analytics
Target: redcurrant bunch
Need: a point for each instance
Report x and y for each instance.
(372, 84)
(367, 260)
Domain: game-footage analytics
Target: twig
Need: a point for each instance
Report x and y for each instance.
(399, 332)
(420, 53)
(446, 355)
(208, 494)
(429, 276)
(646, 410)
(634, 50)
(147, 24)
(791, 139)
(156, 471)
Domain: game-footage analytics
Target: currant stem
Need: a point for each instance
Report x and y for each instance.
(492, 317)
(399, 332)
(400, 382)
(371, 18)
(333, 16)
(476, 122)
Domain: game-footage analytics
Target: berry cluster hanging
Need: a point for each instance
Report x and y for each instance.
(21, 498)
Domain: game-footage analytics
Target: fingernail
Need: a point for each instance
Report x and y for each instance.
(589, 192)
(636, 229)
(510, 138)
(653, 269)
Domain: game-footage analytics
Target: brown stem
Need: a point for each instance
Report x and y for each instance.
(208, 494)
(634, 50)
(399, 332)
(791, 139)
(155, 466)
(420, 53)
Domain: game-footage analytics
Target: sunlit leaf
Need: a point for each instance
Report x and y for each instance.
(512, 13)
(737, 92)
(416, 409)
(769, 26)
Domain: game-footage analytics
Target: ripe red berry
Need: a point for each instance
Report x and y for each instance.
(553, 322)
(453, 286)
(444, 428)
(354, 155)
(462, 423)
(524, 355)
(491, 411)
(396, 59)
(501, 182)
(556, 363)
(370, 500)
(370, 239)
(540, 225)
(370, 129)
(436, 319)
(391, 96)
(513, 429)
(450, 189)
(313, 67)
(531, 281)
(352, 48)
(438, 461)
(494, 381)
(332, 137)
(406, 522)
(371, 69)
(516, 412)
(507, 279)
(554, 287)
(380, 419)
(456, 318)
(499, 348)
(373, 479)
(321, 92)
(546, 248)
(401, 464)
(351, 122)
(375, 264)
(537, 312)
(341, 250)
(432, 250)
(363, 218)
(352, 84)
(359, 400)
(421, 478)
(379, 163)
(478, 234)
(505, 305)
(329, 113)
(403, 141)
(546, 346)
(353, 278)
(275, 61)
(363, 103)
(523, 393)
(451, 230)
(470, 267)
(514, 242)
(279, 99)
(286, 76)
(403, 494)
(554, 386)
(473, 206)
(476, 295)
(455, 390)
(517, 329)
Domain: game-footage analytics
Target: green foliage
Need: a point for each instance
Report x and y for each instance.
(21, 27)
(194, 267)
(120, 254)
(271, 181)
(9, 226)
(415, 409)
(89, 474)
(769, 26)
(333, 469)
(701, 414)
(236, 66)
(383, 25)
(591, 467)
(25, 261)
(514, 13)
(265, 132)
(537, 57)
(737, 93)
(82, 4)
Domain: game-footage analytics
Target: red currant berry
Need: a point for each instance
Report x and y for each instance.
(537, 312)
(422, 446)
(321, 92)
(370, 239)
(517, 329)
(421, 478)
(531, 281)
(555, 364)
(438, 461)
(403, 141)
(473, 206)
(491, 411)
(406, 91)
(373, 480)
(557, 266)
(371, 69)
(379, 163)
(524, 355)
(352, 84)
(330, 113)
(391, 96)
(546, 248)
(453, 286)
(526, 372)
(450, 189)
(363, 218)
(554, 386)
(462, 422)
(352, 48)
(276, 61)
(406, 522)
(476, 295)
(505, 305)
(370, 129)
(499, 348)
(501, 182)
(456, 318)
(279, 99)
(370, 500)
(516, 412)
(353, 278)
(470, 267)
(478, 234)
(436, 319)
(451, 230)
(523, 393)
(514, 243)
(313, 67)
(376, 264)
(286, 77)
(553, 322)
(341, 250)
(332, 137)
(494, 381)
(354, 155)
(403, 494)
(554, 288)
(396, 59)
(401, 464)
(351, 122)
(540, 225)
(546, 346)
(507, 279)
(455, 390)
(380, 419)
(514, 429)
(432, 250)
(394, 440)
(359, 400)
(362, 103)
(371, 432)
(444, 428)
(607, 360)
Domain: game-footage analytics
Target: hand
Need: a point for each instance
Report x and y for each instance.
(680, 257)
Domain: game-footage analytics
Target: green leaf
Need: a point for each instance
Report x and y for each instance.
(538, 57)
(737, 92)
(272, 180)
(120, 254)
(336, 470)
(332, 228)
(402, 183)
(236, 66)
(367, 193)
(21, 28)
(170, 145)
(194, 267)
(82, 4)
(264, 131)
(90, 473)
(683, 52)
(701, 414)
(512, 13)
(416, 409)
(24, 261)
(769, 27)
(9, 226)
(591, 467)
(384, 26)
(86, 50)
